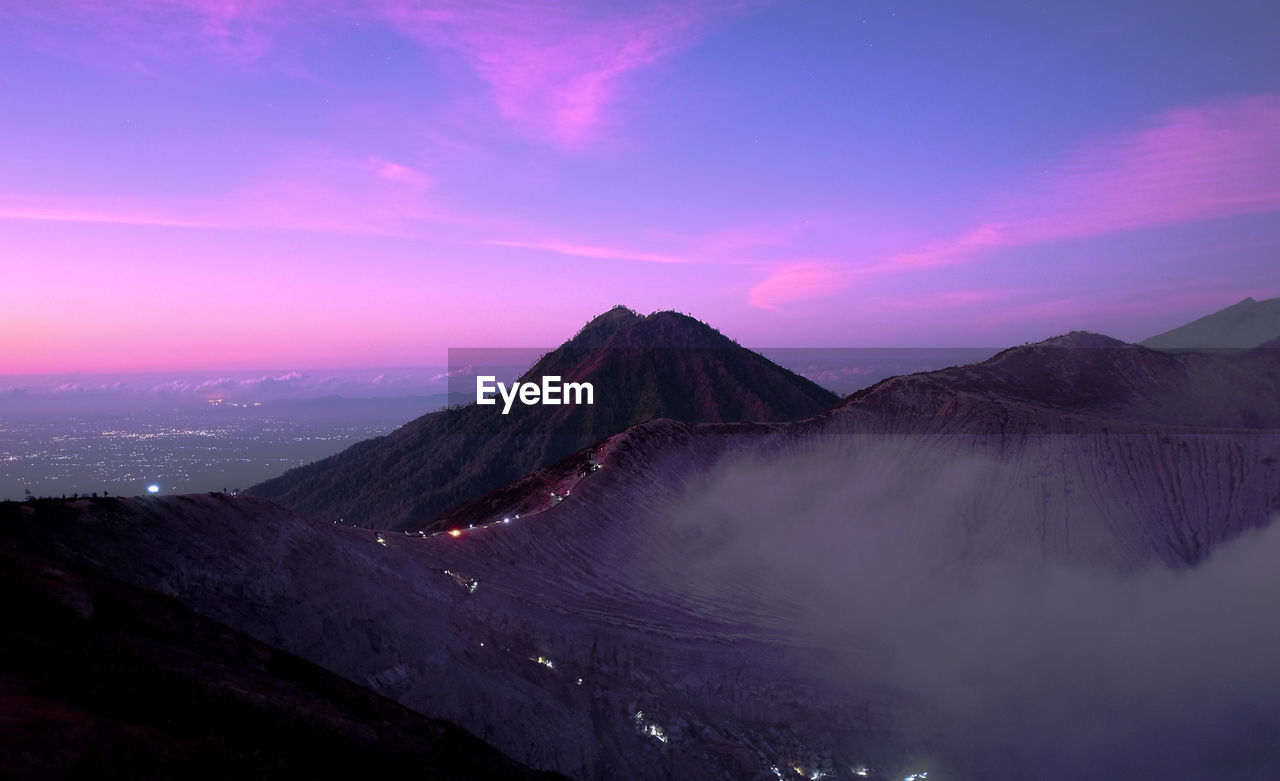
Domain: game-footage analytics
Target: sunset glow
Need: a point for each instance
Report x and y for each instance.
(197, 184)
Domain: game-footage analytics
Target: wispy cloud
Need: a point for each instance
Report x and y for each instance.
(950, 250)
(799, 281)
(323, 191)
(144, 33)
(592, 251)
(1193, 163)
(93, 211)
(553, 68)
(943, 299)
(314, 191)
(1201, 162)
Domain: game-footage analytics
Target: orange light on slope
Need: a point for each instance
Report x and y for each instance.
(455, 532)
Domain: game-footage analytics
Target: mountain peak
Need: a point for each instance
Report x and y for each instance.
(1245, 324)
(640, 367)
(1082, 340)
(622, 327)
(602, 327)
(619, 315)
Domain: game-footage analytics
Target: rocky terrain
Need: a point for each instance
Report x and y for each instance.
(1055, 564)
(642, 367)
(101, 679)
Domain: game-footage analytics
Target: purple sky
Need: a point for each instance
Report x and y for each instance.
(289, 183)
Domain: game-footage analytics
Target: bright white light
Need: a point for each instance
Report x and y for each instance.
(153, 489)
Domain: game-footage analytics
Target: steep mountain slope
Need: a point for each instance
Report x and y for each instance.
(661, 365)
(949, 573)
(1095, 452)
(1242, 325)
(102, 679)
(1099, 376)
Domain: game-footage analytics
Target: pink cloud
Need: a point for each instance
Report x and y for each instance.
(119, 31)
(322, 191)
(753, 244)
(945, 299)
(591, 251)
(113, 212)
(553, 67)
(319, 191)
(800, 281)
(1194, 163)
(740, 240)
(951, 250)
(403, 174)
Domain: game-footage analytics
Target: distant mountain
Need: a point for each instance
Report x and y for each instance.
(1088, 374)
(1246, 324)
(642, 367)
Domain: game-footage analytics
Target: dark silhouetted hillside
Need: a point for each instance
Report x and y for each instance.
(642, 367)
(101, 679)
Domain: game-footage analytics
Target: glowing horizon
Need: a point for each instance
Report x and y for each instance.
(206, 185)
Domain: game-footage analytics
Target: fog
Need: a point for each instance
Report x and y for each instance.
(1008, 664)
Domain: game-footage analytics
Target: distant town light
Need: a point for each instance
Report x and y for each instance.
(153, 489)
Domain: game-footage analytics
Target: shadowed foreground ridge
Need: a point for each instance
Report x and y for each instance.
(100, 679)
(642, 367)
(1009, 570)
